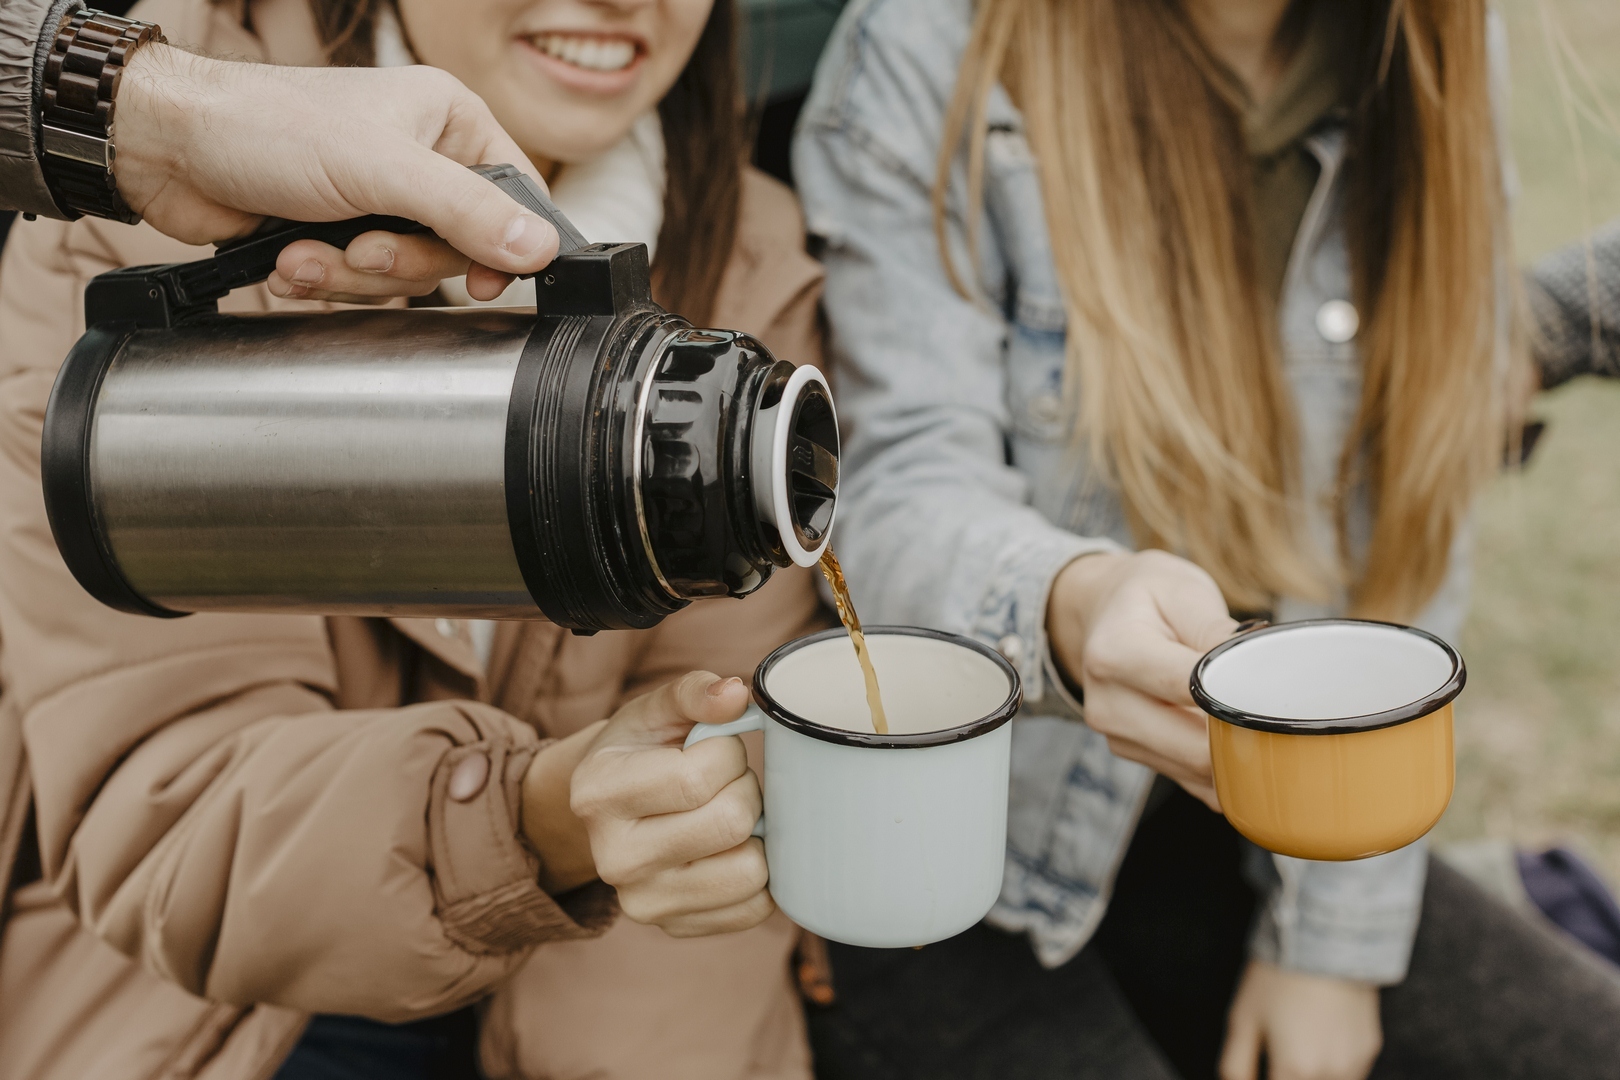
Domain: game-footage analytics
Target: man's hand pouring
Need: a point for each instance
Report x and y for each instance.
(208, 149)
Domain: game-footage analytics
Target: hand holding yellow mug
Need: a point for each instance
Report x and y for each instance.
(1331, 739)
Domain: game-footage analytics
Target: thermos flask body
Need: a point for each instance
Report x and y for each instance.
(345, 462)
(599, 463)
(595, 461)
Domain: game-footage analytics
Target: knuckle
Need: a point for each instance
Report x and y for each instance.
(1121, 747)
(1104, 660)
(1162, 563)
(437, 81)
(756, 871)
(586, 799)
(735, 819)
(615, 865)
(758, 908)
(1155, 557)
(468, 201)
(639, 907)
(694, 786)
(1105, 721)
(685, 929)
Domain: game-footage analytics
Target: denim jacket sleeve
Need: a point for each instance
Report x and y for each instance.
(1347, 920)
(935, 524)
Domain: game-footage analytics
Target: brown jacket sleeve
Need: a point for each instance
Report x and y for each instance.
(200, 803)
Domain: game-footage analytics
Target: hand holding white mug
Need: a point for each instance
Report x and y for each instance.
(670, 828)
(1128, 629)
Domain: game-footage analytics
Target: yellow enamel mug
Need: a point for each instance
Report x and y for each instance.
(1331, 738)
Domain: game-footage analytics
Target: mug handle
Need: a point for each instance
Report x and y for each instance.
(752, 720)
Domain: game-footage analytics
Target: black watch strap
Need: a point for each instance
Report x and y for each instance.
(82, 73)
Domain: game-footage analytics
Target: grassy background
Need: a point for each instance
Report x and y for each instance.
(1539, 725)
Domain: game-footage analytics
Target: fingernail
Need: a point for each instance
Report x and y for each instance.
(309, 272)
(525, 235)
(468, 777)
(379, 261)
(720, 686)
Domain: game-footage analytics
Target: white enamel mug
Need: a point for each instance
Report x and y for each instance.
(884, 841)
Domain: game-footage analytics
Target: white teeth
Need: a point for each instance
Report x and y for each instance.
(591, 53)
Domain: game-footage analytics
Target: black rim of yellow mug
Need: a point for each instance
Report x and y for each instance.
(1338, 725)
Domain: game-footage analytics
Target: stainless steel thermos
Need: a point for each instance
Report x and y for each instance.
(597, 462)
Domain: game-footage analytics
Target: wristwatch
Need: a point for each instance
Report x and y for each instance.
(78, 101)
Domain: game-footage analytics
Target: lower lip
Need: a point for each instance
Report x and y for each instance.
(584, 79)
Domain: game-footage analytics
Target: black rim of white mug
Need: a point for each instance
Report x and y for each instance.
(961, 733)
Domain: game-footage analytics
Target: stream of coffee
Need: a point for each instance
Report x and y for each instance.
(852, 623)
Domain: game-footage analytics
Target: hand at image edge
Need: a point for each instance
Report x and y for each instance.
(1309, 1027)
(1128, 628)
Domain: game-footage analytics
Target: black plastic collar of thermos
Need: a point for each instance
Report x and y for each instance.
(628, 451)
(564, 473)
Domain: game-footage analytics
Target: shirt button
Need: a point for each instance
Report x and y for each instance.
(1046, 408)
(445, 627)
(1011, 647)
(1337, 321)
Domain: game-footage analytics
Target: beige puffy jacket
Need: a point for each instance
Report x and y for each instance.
(240, 820)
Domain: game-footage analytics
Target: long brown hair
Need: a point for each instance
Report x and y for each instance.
(705, 144)
(1173, 354)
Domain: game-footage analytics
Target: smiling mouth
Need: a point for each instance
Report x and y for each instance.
(587, 52)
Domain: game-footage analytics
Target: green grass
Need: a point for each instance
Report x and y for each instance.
(1539, 725)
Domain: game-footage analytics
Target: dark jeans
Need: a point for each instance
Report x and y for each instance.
(354, 1048)
(1489, 994)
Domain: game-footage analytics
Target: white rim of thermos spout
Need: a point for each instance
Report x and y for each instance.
(778, 507)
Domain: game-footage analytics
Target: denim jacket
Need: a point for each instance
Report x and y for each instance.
(965, 493)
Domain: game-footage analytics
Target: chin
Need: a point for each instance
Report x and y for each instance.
(581, 140)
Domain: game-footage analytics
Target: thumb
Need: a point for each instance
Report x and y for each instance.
(477, 217)
(708, 699)
(1240, 1057)
(665, 716)
(472, 214)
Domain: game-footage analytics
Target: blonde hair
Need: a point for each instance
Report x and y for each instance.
(1172, 351)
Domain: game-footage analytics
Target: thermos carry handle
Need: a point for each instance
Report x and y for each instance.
(160, 296)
